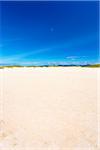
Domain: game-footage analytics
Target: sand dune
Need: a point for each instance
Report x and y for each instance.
(48, 108)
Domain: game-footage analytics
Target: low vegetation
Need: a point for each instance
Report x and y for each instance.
(18, 66)
(93, 66)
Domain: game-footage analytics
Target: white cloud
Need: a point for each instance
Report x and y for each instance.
(76, 57)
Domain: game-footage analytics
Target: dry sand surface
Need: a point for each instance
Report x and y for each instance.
(48, 108)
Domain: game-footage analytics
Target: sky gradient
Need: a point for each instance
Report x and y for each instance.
(35, 33)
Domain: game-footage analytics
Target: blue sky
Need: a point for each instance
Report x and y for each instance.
(49, 32)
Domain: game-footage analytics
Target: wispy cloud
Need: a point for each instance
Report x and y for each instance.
(77, 60)
(65, 45)
(12, 39)
(21, 56)
(72, 57)
(76, 57)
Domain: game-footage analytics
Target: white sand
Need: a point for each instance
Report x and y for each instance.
(48, 109)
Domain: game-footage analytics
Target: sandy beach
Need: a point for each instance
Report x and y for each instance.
(52, 108)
